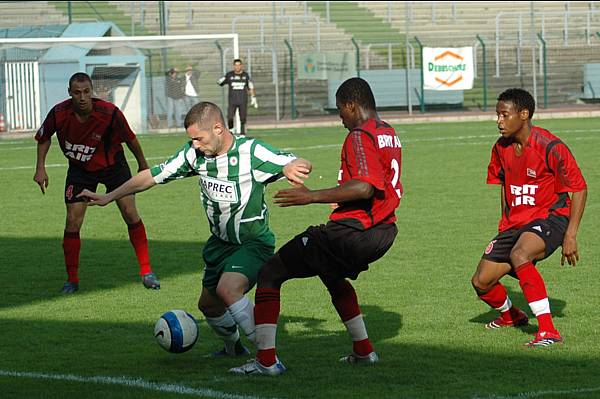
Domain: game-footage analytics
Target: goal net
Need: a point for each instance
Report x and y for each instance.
(130, 71)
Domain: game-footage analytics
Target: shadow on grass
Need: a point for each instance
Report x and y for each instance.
(33, 269)
(556, 305)
(430, 370)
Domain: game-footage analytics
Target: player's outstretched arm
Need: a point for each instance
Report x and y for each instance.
(40, 176)
(297, 171)
(349, 191)
(140, 182)
(569, 246)
(136, 149)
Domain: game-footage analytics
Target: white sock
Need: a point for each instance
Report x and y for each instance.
(242, 312)
(265, 336)
(226, 329)
(506, 306)
(356, 328)
(540, 307)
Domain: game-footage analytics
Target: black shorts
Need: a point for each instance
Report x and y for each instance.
(336, 251)
(551, 230)
(79, 179)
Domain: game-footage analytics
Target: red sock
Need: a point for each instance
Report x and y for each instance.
(345, 302)
(496, 298)
(266, 311)
(137, 236)
(534, 289)
(71, 247)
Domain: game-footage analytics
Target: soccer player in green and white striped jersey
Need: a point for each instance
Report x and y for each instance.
(234, 172)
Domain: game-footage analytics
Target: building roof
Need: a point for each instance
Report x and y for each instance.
(71, 52)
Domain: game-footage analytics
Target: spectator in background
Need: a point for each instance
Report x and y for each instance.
(240, 85)
(192, 89)
(175, 98)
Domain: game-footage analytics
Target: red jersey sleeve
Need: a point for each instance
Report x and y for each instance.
(495, 173)
(567, 175)
(362, 160)
(48, 128)
(121, 127)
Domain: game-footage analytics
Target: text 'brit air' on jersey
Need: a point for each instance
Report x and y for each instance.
(371, 153)
(94, 144)
(536, 182)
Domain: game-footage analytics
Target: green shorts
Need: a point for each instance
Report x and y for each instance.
(247, 258)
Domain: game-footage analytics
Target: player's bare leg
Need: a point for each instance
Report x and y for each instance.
(486, 282)
(138, 239)
(231, 289)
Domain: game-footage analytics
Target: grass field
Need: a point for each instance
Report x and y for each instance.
(421, 312)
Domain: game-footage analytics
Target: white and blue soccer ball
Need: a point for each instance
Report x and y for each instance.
(176, 331)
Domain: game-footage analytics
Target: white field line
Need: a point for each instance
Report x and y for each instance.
(128, 382)
(8, 143)
(458, 140)
(560, 393)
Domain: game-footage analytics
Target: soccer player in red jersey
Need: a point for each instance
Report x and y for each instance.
(90, 132)
(536, 172)
(360, 230)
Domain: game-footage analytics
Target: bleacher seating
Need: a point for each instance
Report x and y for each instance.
(25, 13)
(437, 24)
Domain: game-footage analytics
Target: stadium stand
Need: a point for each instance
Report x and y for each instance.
(310, 26)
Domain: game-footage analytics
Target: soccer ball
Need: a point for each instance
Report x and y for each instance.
(176, 331)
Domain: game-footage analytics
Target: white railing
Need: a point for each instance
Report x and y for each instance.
(542, 18)
(280, 18)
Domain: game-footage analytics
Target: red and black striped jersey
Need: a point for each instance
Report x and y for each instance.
(536, 182)
(371, 153)
(93, 144)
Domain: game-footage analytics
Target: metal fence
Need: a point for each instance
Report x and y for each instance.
(546, 47)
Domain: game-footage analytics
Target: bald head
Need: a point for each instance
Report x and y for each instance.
(204, 114)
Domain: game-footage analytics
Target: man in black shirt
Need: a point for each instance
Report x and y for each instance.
(240, 84)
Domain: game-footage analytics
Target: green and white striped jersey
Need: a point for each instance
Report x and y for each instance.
(232, 185)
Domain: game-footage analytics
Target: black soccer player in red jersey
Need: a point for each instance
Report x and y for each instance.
(360, 230)
(90, 132)
(536, 172)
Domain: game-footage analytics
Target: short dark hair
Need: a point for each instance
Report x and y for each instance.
(80, 77)
(358, 91)
(520, 98)
(203, 113)
(237, 60)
